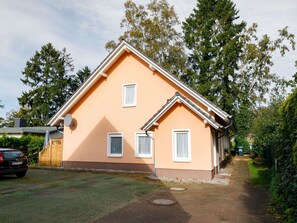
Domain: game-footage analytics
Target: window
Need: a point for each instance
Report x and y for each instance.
(181, 145)
(129, 95)
(143, 145)
(115, 144)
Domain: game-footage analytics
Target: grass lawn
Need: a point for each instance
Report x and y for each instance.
(260, 174)
(66, 196)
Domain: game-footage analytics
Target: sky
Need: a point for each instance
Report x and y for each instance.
(83, 28)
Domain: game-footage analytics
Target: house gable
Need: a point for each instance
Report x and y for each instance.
(102, 72)
(178, 98)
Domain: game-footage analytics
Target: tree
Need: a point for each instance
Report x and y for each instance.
(255, 79)
(151, 29)
(243, 120)
(46, 74)
(213, 38)
(79, 79)
(12, 114)
(266, 126)
(229, 64)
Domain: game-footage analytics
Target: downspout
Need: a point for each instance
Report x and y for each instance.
(219, 152)
(154, 157)
(219, 143)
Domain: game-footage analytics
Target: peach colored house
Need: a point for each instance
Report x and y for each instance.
(131, 114)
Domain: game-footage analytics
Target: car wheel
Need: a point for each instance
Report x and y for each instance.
(21, 174)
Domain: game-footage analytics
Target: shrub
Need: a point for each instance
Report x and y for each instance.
(34, 147)
(29, 145)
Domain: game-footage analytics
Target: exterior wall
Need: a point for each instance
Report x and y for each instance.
(100, 111)
(180, 117)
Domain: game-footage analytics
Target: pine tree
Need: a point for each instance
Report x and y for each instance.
(213, 38)
(46, 75)
(79, 79)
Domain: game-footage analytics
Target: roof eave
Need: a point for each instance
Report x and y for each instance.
(150, 124)
(107, 63)
(95, 76)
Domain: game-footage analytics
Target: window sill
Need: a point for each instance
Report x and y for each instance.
(129, 106)
(115, 156)
(182, 161)
(143, 156)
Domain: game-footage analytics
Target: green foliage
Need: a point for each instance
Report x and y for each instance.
(29, 145)
(46, 75)
(79, 79)
(229, 64)
(289, 113)
(151, 29)
(266, 127)
(11, 115)
(241, 141)
(213, 38)
(34, 147)
(255, 77)
(243, 120)
(276, 126)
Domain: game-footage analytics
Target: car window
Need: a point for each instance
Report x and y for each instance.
(13, 154)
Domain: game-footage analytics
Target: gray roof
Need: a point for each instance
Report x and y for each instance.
(28, 130)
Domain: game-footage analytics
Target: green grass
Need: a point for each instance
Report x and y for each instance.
(260, 174)
(65, 196)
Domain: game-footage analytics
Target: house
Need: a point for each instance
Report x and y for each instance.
(21, 129)
(131, 114)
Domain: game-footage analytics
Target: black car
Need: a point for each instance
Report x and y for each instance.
(13, 161)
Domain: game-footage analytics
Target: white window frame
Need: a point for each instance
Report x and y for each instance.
(124, 95)
(174, 146)
(109, 136)
(137, 154)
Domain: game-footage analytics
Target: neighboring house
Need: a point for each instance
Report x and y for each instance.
(20, 129)
(130, 114)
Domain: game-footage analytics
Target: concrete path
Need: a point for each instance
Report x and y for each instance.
(239, 202)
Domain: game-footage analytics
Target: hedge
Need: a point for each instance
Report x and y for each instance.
(29, 145)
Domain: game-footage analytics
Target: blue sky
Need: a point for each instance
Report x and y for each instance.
(83, 28)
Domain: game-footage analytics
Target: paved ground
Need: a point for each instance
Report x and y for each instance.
(239, 202)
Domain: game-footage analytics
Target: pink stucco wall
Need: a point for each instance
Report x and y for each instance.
(181, 118)
(100, 111)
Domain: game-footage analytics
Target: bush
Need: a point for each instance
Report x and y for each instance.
(34, 147)
(29, 145)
